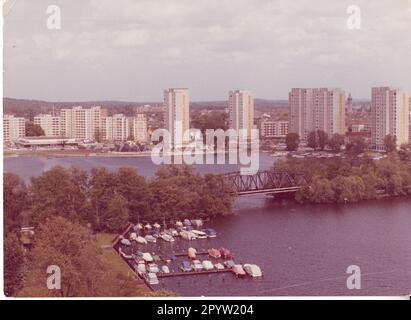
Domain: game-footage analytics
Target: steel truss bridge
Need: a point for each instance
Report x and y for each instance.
(269, 181)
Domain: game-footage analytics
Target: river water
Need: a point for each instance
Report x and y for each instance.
(301, 249)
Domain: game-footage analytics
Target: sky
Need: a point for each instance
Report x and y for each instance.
(131, 50)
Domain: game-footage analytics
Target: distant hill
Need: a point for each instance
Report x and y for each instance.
(30, 108)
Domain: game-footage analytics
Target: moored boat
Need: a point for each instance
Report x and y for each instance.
(214, 253)
(238, 271)
(207, 265)
(225, 253)
(150, 238)
(211, 233)
(253, 270)
(197, 222)
(151, 278)
(187, 235)
(147, 257)
(166, 237)
(165, 269)
(191, 252)
(185, 266)
(199, 234)
(141, 240)
(197, 265)
(219, 266)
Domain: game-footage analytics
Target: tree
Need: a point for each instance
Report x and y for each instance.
(15, 201)
(13, 264)
(390, 143)
(312, 140)
(292, 140)
(103, 184)
(322, 139)
(405, 152)
(33, 130)
(351, 189)
(58, 192)
(209, 120)
(116, 216)
(336, 142)
(319, 191)
(135, 190)
(69, 246)
(357, 146)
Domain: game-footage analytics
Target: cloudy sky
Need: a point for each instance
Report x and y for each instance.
(133, 49)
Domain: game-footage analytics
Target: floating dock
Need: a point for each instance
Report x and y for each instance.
(191, 273)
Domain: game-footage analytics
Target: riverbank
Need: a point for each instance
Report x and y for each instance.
(88, 153)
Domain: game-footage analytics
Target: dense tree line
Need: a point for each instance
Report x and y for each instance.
(67, 206)
(339, 180)
(107, 200)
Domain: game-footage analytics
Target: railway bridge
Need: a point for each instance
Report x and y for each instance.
(268, 181)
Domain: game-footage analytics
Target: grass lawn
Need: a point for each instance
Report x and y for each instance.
(119, 271)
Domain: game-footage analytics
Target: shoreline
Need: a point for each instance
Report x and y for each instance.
(77, 153)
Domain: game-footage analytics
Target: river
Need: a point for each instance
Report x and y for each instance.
(301, 249)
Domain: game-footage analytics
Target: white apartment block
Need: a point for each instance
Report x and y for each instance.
(177, 114)
(13, 128)
(115, 128)
(241, 110)
(121, 129)
(50, 124)
(80, 123)
(390, 111)
(316, 109)
(140, 128)
(273, 129)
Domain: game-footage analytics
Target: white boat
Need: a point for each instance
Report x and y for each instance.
(179, 224)
(148, 226)
(139, 226)
(165, 269)
(141, 269)
(219, 266)
(152, 267)
(133, 236)
(147, 257)
(156, 225)
(167, 237)
(152, 278)
(238, 271)
(197, 265)
(197, 222)
(191, 253)
(141, 240)
(150, 238)
(199, 234)
(172, 232)
(207, 265)
(253, 270)
(187, 235)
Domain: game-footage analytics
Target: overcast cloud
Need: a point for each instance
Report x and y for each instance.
(132, 50)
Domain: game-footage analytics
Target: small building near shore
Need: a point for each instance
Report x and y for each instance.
(45, 142)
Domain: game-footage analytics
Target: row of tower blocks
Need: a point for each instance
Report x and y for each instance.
(309, 109)
(324, 109)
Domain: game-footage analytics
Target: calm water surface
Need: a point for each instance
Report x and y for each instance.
(302, 249)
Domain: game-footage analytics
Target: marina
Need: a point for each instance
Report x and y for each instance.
(156, 263)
